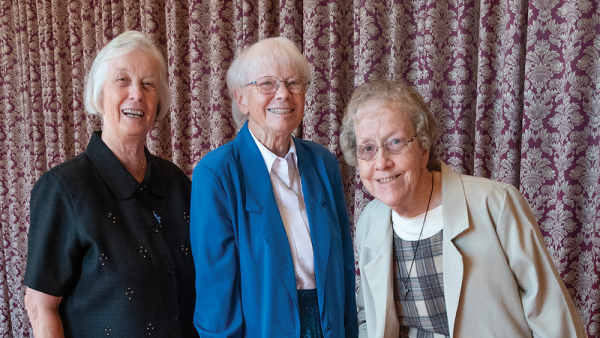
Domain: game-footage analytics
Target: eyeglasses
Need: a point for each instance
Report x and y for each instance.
(270, 84)
(368, 151)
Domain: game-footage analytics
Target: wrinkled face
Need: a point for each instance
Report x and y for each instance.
(129, 94)
(276, 114)
(392, 179)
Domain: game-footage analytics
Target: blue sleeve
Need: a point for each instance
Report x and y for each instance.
(350, 319)
(218, 311)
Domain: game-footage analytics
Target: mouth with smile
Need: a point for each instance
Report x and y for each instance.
(280, 111)
(387, 179)
(136, 114)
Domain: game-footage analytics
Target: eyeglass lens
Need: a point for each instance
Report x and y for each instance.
(368, 151)
(269, 85)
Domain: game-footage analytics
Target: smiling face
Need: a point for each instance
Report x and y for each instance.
(273, 115)
(395, 180)
(129, 95)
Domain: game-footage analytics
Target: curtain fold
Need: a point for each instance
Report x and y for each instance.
(514, 85)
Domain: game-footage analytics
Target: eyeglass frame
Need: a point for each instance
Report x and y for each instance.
(278, 84)
(384, 145)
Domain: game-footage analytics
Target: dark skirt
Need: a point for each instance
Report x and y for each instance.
(310, 320)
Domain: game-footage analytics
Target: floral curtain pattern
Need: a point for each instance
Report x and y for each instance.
(514, 84)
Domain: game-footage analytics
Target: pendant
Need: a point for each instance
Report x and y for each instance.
(404, 290)
(157, 218)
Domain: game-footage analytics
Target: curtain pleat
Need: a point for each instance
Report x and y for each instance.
(514, 85)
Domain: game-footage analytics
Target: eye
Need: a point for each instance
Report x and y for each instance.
(267, 82)
(293, 82)
(122, 80)
(396, 144)
(367, 148)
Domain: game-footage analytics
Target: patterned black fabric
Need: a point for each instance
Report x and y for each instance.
(116, 250)
(310, 320)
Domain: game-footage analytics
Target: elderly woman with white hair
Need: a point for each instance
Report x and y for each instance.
(109, 251)
(442, 254)
(269, 226)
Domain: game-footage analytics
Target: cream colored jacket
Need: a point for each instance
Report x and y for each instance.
(499, 280)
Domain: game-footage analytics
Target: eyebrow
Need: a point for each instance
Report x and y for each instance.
(388, 139)
(125, 70)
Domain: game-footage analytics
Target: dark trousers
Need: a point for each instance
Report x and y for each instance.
(310, 320)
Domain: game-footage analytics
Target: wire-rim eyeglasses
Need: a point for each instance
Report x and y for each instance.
(270, 84)
(395, 146)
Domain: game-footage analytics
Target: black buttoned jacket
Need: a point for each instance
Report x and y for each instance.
(117, 251)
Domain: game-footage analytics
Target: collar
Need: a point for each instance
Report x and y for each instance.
(409, 228)
(269, 157)
(454, 201)
(114, 173)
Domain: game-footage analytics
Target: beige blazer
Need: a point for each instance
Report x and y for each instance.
(499, 280)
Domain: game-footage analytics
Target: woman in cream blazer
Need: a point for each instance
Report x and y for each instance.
(481, 268)
(499, 280)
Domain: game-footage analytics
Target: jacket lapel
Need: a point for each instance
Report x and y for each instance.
(456, 220)
(378, 272)
(262, 207)
(319, 218)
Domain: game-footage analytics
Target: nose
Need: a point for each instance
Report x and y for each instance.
(382, 158)
(135, 92)
(282, 91)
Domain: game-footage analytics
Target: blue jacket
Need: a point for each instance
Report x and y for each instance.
(245, 280)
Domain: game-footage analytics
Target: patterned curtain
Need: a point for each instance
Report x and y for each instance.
(514, 84)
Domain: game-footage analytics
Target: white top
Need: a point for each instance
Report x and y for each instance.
(287, 187)
(409, 228)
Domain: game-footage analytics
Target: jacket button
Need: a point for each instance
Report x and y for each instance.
(170, 272)
(175, 318)
(155, 229)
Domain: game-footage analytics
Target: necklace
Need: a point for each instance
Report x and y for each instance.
(154, 212)
(141, 175)
(405, 289)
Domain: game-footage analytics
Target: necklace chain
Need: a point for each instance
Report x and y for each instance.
(403, 282)
(141, 175)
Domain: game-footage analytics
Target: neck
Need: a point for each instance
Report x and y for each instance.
(277, 143)
(128, 150)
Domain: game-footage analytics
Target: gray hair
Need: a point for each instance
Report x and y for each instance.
(400, 98)
(122, 45)
(268, 53)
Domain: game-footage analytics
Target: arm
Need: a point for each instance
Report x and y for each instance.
(43, 314)
(53, 262)
(218, 310)
(360, 301)
(547, 304)
(348, 252)
(362, 317)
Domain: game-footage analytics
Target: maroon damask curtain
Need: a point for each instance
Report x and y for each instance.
(514, 84)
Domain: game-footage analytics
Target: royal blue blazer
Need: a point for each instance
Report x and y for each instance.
(245, 280)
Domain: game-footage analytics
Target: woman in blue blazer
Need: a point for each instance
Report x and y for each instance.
(269, 226)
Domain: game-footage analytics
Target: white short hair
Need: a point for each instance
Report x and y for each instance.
(272, 52)
(122, 45)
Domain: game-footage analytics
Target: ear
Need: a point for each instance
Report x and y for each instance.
(101, 101)
(240, 99)
(424, 157)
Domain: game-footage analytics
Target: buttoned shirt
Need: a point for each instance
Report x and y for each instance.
(116, 250)
(287, 187)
